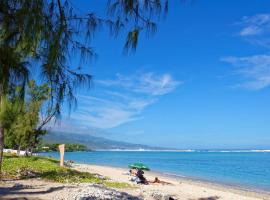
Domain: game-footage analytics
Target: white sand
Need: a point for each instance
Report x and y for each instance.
(181, 188)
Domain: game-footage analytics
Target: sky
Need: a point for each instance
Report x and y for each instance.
(202, 81)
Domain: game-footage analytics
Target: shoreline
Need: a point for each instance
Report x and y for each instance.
(197, 187)
(239, 181)
(189, 178)
(179, 187)
(218, 183)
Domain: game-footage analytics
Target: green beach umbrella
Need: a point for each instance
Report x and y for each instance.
(138, 166)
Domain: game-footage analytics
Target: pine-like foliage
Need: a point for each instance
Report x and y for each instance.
(43, 36)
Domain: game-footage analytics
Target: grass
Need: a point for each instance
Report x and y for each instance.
(49, 169)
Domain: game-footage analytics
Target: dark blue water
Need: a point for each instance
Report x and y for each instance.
(248, 169)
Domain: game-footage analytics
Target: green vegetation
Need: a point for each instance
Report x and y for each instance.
(54, 147)
(44, 37)
(24, 130)
(49, 169)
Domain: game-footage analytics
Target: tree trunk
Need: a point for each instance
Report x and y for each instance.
(1, 147)
(30, 151)
(19, 150)
(1, 132)
(26, 151)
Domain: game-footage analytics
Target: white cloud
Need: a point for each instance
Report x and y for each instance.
(67, 125)
(121, 101)
(250, 30)
(147, 83)
(255, 25)
(106, 113)
(156, 85)
(107, 117)
(254, 70)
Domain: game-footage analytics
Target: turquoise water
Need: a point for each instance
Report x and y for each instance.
(248, 169)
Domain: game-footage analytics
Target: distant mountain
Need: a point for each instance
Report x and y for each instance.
(93, 142)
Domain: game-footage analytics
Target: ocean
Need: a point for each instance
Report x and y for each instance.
(237, 168)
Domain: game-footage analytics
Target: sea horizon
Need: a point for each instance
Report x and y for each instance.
(190, 150)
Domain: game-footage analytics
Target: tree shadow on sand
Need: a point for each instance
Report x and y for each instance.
(113, 194)
(28, 192)
(23, 190)
(20, 198)
(208, 198)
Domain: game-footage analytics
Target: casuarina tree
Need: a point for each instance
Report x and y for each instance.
(43, 35)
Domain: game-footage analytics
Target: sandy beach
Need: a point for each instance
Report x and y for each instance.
(180, 188)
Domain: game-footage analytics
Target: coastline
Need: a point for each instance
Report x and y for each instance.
(214, 183)
(215, 187)
(182, 187)
(194, 179)
(192, 150)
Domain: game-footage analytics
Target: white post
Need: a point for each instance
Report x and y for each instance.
(62, 152)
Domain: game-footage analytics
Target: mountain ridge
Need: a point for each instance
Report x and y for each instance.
(95, 142)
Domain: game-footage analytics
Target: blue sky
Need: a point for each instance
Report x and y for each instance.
(202, 81)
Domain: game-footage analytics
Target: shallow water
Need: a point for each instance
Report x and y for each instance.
(248, 169)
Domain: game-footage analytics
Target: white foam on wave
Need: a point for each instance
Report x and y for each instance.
(266, 150)
(193, 150)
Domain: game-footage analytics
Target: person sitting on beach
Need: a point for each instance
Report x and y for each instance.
(133, 172)
(141, 177)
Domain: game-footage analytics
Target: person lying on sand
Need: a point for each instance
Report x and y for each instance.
(159, 181)
(140, 179)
